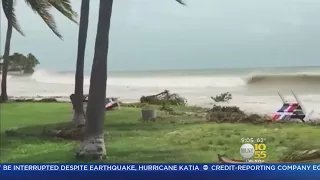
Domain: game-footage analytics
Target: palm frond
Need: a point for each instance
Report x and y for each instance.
(181, 2)
(301, 153)
(64, 6)
(15, 24)
(42, 8)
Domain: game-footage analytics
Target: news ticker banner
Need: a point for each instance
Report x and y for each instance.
(160, 167)
(159, 171)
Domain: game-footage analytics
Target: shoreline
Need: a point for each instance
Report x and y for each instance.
(60, 99)
(66, 99)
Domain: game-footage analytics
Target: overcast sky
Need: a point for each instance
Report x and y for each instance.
(161, 34)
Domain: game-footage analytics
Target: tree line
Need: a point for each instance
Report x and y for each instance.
(93, 145)
(21, 63)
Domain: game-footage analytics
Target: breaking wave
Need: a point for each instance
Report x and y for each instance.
(191, 81)
(45, 76)
(306, 83)
(294, 78)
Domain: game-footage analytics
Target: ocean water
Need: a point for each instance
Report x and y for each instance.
(254, 90)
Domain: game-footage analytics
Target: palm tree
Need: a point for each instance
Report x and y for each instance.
(93, 145)
(94, 136)
(10, 16)
(42, 9)
(78, 116)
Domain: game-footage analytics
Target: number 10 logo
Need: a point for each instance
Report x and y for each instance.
(260, 151)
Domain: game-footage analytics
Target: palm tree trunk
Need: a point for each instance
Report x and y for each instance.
(93, 145)
(4, 95)
(78, 116)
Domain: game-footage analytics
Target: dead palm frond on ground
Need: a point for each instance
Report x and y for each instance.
(301, 153)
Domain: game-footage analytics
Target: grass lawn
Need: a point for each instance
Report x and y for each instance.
(171, 139)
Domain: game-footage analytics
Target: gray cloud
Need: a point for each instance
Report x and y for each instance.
(150, 34)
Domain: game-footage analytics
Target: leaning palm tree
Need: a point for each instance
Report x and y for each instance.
(77, 99)
(41, 7)
(93, 145)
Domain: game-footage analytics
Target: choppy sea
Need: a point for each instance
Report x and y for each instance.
(254, 90)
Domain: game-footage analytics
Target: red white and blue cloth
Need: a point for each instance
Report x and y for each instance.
(289, 111)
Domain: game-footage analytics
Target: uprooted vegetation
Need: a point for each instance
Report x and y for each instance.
(233, 114)
(223, 97)
(219, 114)
(164, 97)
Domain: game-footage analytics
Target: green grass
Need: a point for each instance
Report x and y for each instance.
(182, 139)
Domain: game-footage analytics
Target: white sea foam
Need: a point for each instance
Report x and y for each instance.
(258, 95)
(186, 81)
(8, 77)
(259, 82)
